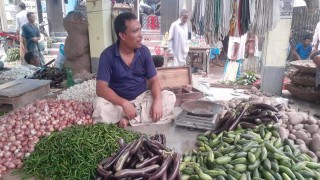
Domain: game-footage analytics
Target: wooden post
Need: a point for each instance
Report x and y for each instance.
(3, 17)
(39, 7)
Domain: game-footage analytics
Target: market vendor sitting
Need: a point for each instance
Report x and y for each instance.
(302, 50)
(125, 71)
(33, 61)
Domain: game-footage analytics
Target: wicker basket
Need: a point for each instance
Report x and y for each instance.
(302, 80)
(305, 66)
(303, 94)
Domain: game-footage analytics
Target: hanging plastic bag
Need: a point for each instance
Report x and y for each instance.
(60, 58)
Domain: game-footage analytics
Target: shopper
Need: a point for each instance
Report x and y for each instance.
(178, 38)
(125, 70)
(31, 36)
(21, 19)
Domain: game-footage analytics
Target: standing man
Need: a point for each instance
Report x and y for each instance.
(178, 38)
(31, 36)
(126, 72)
(21, 19)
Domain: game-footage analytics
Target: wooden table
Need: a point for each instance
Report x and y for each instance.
(23, 91)
(204, 57)
(197, 50)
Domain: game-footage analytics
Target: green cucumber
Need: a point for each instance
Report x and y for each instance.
(251, 157)
(215, 173)
(267, 175)
(223, 160)
(287, 171)
(299, 166)
(240, 168)
(254, 166)
(266, 164)
(238, 161)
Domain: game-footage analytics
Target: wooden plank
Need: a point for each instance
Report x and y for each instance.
(27, 97)
(21, 86)
(231, 86)
(171, 77)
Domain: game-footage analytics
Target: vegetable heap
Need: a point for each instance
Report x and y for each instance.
(21, 129)
(84, 92)
(248, 116)
(16, 73)
(245, 154)
(144, 158)
(74, 153)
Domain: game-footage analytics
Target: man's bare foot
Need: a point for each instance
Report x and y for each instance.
(123, 123)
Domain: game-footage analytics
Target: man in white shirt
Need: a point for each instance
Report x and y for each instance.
(178, 38)
(21, 19)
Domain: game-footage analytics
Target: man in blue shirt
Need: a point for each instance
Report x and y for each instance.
(303, 50)
(125, 71)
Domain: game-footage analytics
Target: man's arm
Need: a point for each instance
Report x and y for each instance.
(170, 39)
(295, 54)
(104, 91)
(316, 35)
(18, 26)
(156, 110)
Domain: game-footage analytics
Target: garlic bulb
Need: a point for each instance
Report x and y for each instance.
(84, 92)
(16, 73)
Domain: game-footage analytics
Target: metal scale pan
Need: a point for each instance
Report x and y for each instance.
(199, 114)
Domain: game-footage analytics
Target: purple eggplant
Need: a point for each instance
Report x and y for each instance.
(135, 173)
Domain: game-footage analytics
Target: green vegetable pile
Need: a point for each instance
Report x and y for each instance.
(247, 154)
(13, 55)
(74, 153)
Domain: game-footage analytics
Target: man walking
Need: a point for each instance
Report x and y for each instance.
(31, 36)
(21, 19)
(178, 38)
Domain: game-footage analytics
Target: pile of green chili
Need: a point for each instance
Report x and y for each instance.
(73, 153)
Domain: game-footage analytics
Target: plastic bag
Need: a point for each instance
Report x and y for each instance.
(60, 58)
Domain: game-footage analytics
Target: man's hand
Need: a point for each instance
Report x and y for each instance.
(129, 110)
(35, 39)
(156, 110)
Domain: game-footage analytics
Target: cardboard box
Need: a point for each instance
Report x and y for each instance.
(179, 80)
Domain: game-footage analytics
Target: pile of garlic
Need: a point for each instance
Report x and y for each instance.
(16, 73)
(84, 92)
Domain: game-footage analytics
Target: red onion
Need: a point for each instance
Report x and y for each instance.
(7, 154)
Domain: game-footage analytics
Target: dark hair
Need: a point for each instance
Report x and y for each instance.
(22, 6)
(158, 60)
(306, 37)
(119, 22)
(28, 57)
(29, 14)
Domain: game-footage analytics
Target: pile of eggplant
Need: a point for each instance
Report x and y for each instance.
(144, 158)
(248, 115)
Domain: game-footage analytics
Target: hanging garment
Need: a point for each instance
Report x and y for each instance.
(244, 17)
(267, 18)
(226, 15)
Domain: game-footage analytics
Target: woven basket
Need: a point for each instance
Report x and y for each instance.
(302, 80)
(305, 66)
(303, 94)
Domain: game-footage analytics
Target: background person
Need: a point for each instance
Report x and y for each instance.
(21, 19)
(178, 38)
(31, 35)
(302, 50)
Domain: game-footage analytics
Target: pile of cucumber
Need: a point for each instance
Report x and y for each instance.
(247, 154)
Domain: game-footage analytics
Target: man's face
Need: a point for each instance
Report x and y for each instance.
(35, 61)
(184, 18)
(306, 42)
(132, 37)
(32, 18)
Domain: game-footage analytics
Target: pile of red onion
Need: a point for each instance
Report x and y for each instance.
(21, 129)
